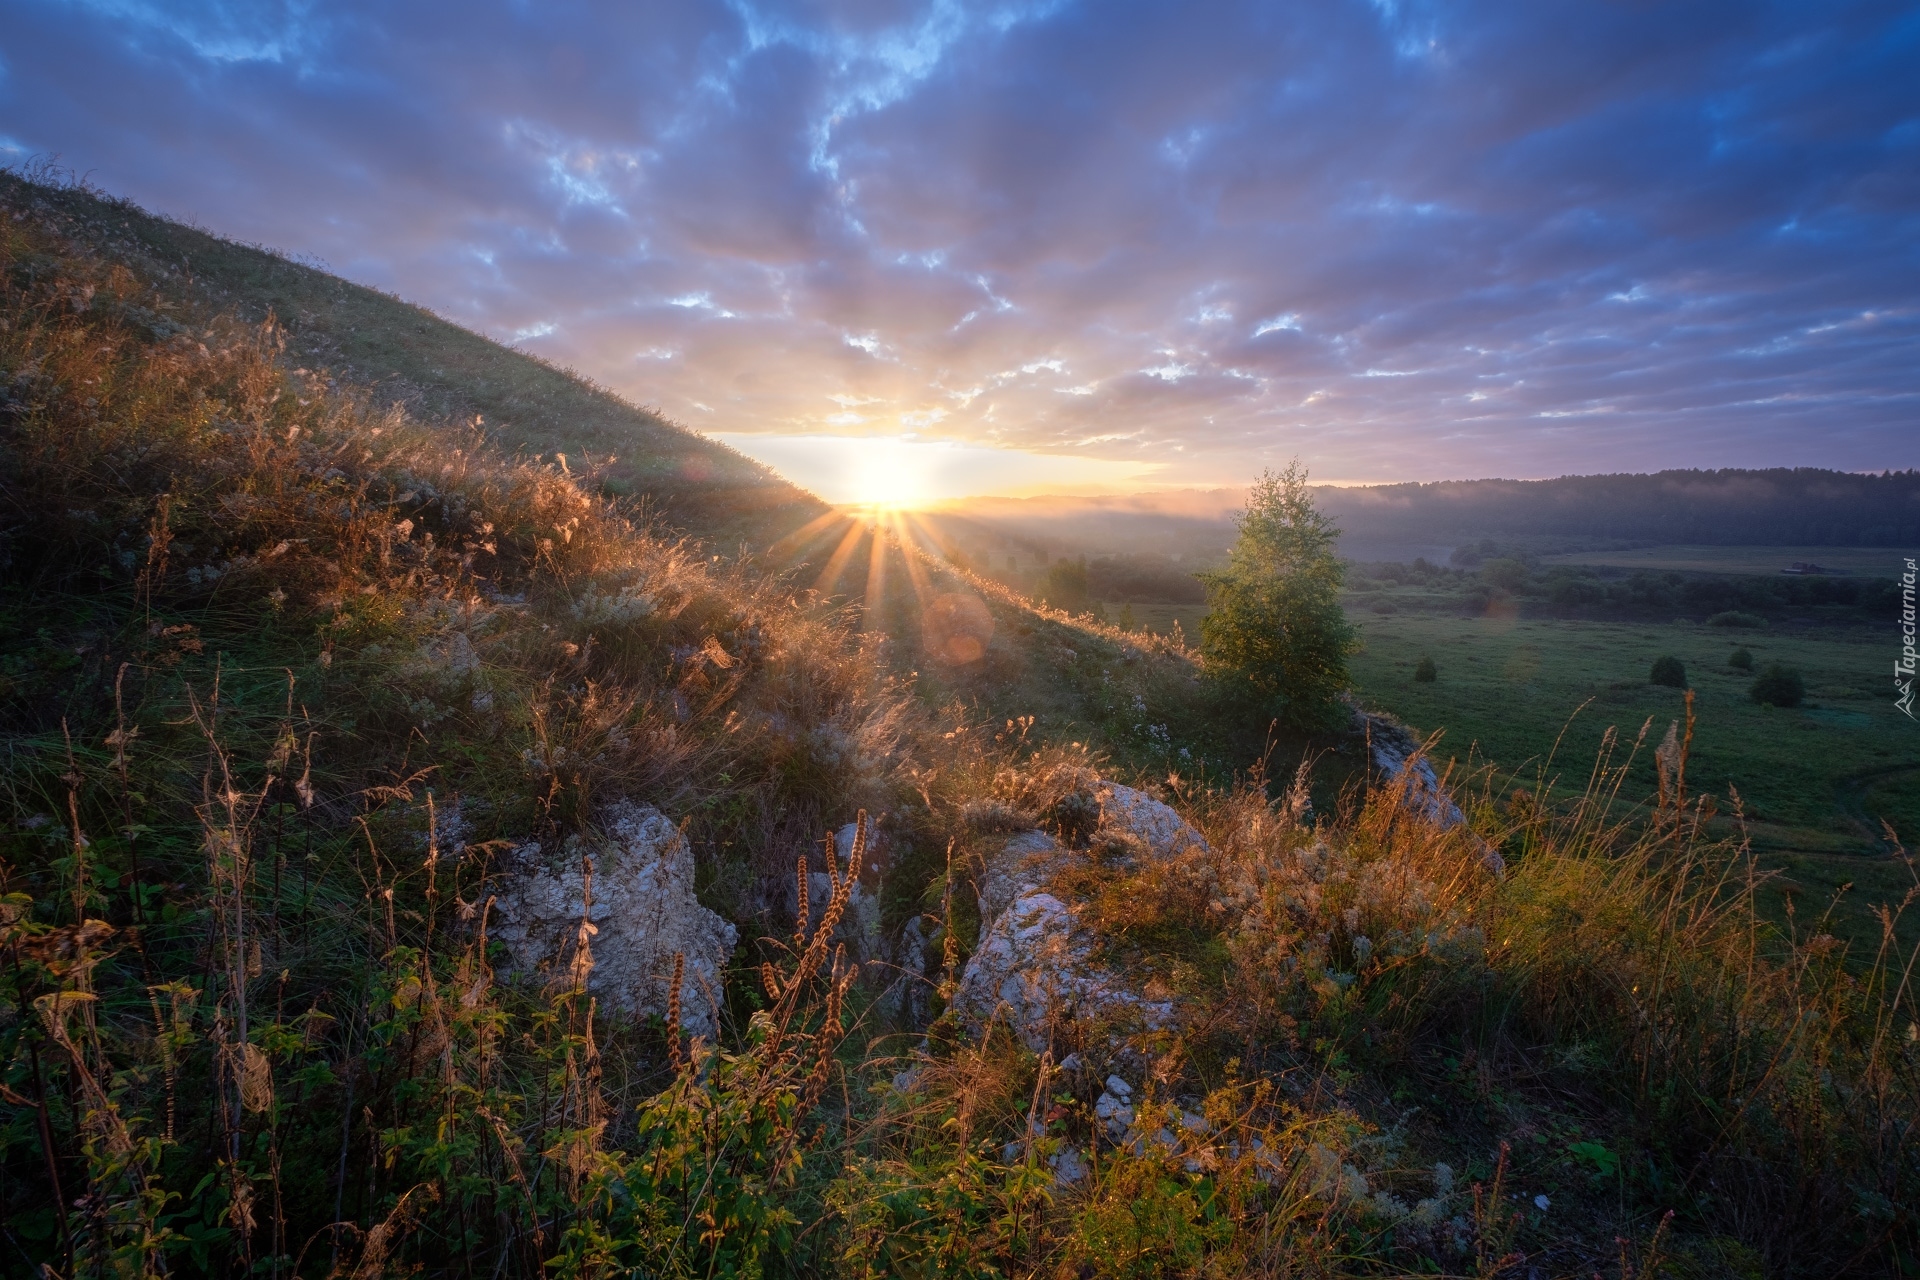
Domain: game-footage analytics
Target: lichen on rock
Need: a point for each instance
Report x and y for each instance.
(642, 911)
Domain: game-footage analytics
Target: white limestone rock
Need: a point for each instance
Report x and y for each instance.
(1023, 864)
(1396, 755)
(1135, 814)
(1036, 969)
(643, 911)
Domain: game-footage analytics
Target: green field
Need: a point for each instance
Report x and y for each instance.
(1882, 562)
(1816, 782)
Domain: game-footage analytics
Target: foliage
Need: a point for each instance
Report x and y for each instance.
(1669, 671)
(1736, 618)
(1424, 671)
(1741, 659)
(1778, 686)
(1275, 626)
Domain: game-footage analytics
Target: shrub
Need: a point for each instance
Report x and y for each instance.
(1668, 671)
(1426, 672)
(1778, 686)
(1735, 618)
(1741, 659)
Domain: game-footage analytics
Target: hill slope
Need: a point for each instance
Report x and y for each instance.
(404, 354)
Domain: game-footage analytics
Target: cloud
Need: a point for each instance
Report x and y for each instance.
(1401, 240)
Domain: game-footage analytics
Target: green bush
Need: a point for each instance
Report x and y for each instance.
(1735, 618)
(1741, 659)
(1667, 670)
(1778, 686)
(1426, 672)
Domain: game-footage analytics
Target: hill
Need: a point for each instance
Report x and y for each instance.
(401, 354)
(1805, 507)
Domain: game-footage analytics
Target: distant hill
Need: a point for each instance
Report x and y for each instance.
(404, 354)
(1803, 506)
(1798, 507)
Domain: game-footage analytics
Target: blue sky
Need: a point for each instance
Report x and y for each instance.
(1178, 241)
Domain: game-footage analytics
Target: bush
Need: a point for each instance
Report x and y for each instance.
(1778, 686)
(1426, 672)
(1735, 618)
(1741, 659)
(1668, 671)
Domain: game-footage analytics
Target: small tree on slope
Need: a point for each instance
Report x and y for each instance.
(1274, 623)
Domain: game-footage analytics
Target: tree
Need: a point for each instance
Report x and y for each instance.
(1741, 659)
(1668, 671)
(1066, 586)
(1426, 672)
(1274, 625)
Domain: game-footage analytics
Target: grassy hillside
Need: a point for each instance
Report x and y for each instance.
(287, 671)
(399, 353)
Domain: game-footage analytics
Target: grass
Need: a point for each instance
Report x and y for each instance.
(267, 635)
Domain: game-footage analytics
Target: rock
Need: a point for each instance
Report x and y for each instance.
(1035, 969)
(905, 997)
(1136, 814)
(643, 911)
(1113, 1115)
(1022, 865)
(1033, 965)
(1396, 754)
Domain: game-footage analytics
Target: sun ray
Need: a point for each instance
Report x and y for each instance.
(830, 576)
(916, 569)
(875, 598)
(796, 544)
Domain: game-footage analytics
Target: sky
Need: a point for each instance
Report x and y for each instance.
(1011, 247)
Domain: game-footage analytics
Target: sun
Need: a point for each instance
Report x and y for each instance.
(890, 474)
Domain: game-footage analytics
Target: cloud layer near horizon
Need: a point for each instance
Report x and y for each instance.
(1401, 240)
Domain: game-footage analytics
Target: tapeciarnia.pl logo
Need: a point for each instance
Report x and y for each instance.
(1903, 666)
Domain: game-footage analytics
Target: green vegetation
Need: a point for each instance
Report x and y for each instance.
(1778, 686)
(1669, 671)
(1274, 624)
(1425, 672)
(293, 678)
(1741, 660)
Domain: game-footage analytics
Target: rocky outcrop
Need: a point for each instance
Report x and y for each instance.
(1035, 966)
(1400, 760)
(641, 913)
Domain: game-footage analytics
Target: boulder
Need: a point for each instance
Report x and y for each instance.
(1034, 966)
(1137, 816)
(1036, 969)
(1397, 756)
(643, 911)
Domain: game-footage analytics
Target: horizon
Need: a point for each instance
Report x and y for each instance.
(912, 254)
